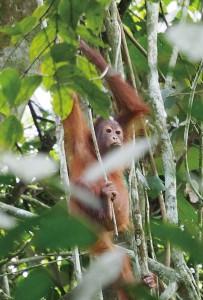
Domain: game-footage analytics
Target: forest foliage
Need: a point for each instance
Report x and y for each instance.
(37, 235)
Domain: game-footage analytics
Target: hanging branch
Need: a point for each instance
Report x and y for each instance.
(101, 164)
(126, 52)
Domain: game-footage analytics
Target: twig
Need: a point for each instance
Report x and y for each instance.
(34, 117)
(101, 164)
(30, 268)
(45, 120)
(187, 126)
(125, 49)
(141, 49)
(34, 201)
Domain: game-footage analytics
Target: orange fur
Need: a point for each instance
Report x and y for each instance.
(80, 153)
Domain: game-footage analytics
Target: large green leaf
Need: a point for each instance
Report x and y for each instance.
(10, 83)
(27, 24)
(20, 29)
(41, 41)
(71, 10)
(89, 36)
(181, 238)
(59, 230)
(62, 101)
(40, 12)
(197, 109)
(4, 105)
(63, 52)
(140, 292)
(97, 98)
(11, 131)
(55, 229)
(35, 286)
(89, 70)
(11, 30)
(95, 16)
(86, 88)
(187, 213)
(193, 162)
(155, 186)
(48, 69)
(28, 86)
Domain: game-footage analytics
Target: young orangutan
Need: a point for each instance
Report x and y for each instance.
(81, 154)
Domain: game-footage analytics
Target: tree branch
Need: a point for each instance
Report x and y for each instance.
(16, 212)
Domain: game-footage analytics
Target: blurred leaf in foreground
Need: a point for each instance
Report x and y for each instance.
(35, 286)
(188, 38)
(179, 237)
(29, 168)
(102, 272)
(55, 229)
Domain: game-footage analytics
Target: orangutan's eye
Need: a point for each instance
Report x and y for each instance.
(118, 132)
(108, 130)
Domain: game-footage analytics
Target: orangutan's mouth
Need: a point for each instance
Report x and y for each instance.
(115, 145)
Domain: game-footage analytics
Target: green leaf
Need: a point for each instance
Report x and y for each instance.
(48, 69)
(28, 86)
(67, 34)
(141, 292)
(59, 230)
(87, 35)
(84, 87)
(95, 16)
(27, 24)
(10, 85)
(62, 101)
(89, 70)
(14, 29)
(197, 109)
(54, 229)
(40, 11)
(180, 238)
(36, 285)
(47, 66)
(4, 107)
(11, 131)
(70, 11)
(97, 98)
(41, 41)
(139, 61)
(193, 162)
(156, 186)
(63, 52)
(187, 213)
